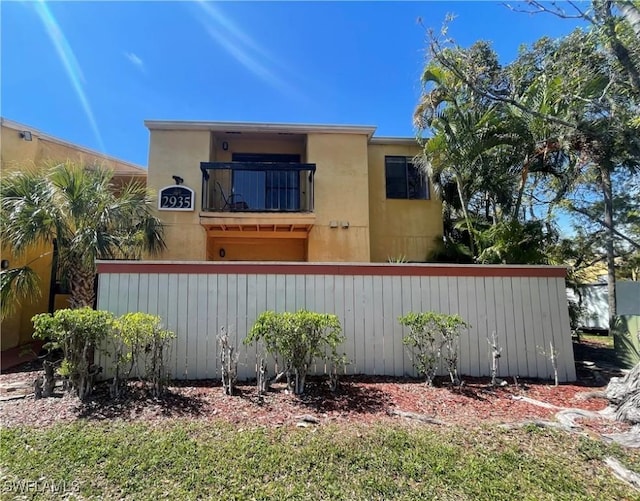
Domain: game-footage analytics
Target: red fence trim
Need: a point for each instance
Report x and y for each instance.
(251, 268)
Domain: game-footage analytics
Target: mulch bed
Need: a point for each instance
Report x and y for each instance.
(359, 399)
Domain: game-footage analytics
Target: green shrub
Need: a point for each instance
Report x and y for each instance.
(136, 339)
(79, 333)
(433, 337)
(299, 338)
(139, 339)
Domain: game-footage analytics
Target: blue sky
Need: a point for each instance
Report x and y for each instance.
(92, 72)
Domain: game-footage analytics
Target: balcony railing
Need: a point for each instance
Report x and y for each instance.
(257, 186)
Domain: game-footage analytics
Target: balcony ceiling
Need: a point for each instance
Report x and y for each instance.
(257, 224)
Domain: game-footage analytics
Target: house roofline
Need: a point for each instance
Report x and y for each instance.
(284, 128)
(136, 170)
(408, 141)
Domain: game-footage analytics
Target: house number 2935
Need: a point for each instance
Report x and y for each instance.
(176, 198)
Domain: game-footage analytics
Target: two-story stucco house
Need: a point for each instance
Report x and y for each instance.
(257, 192)
(289, 192)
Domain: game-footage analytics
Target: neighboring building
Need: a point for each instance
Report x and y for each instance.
(290, 192)
(594, 301)
(22, 147)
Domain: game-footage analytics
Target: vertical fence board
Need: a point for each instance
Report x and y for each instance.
(538, 328)
(122, 294)
(170, 284)
(182, 326)
(406, 306)
(212, 327)
(191, 363)
(359, 330)
(510, 326)
(464, 350)
(242, 306)
(526, 312)
(248, 354)
(388, 326)
(493, 323)
(232, 309)
(377, 326)
(314, 301)
(519, 327)
(396, 335)
(529, 322)
(201, 334)
(223, 320)
(300, 292)
(476, 333)
(289, 293)
(566, 365)
(368, 319)
(348, 323)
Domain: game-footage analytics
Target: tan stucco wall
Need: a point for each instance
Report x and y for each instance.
(354, 222)
(399, 228)
(180, 153)
(247, 143)
(257, 249)
(341, 195)
(17, 154)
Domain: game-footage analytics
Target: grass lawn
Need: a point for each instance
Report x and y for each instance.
(605, 341)
(181, 460)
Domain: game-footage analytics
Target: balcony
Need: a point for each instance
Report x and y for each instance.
(257, 199)
(264, 187)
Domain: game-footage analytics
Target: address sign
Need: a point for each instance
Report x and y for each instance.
(176, 198)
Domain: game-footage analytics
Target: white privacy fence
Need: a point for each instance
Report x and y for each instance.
(525, 305)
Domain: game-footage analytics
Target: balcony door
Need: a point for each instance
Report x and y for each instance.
(277, 190)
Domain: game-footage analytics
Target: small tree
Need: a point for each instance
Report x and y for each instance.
(552, 354)
(430, 332)
(79, 333)
(298, 338)
(228, 361)
(140, 339)
(496, 353)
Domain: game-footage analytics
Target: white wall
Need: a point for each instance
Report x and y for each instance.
(195, 301)
(595, 302)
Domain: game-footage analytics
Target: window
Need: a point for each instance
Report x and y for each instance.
(404, 180)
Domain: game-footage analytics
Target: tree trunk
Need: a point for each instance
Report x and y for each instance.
(82, 287)
(624, 395)
(631, 13)
(607, 192)
(616, 47)
(523, 183)
(466, 216)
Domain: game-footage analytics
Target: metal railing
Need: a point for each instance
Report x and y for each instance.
(257, 186)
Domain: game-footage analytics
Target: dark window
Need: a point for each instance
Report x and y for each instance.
(404, 180)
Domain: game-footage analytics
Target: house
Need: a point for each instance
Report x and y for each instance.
(289, 192)
(252, 192)
(23, 147)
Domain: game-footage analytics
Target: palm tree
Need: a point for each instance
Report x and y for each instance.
(87, 217)
(471, 146)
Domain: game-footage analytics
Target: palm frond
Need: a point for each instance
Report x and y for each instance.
(17, 284)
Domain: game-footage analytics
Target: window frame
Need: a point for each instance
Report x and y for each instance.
(409, 170)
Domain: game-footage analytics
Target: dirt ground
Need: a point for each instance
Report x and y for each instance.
(359, 399)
